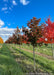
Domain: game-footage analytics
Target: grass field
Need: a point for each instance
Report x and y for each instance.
(43, 49)
(16, 61)
(8, 65)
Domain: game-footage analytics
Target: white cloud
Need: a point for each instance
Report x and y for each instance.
(1, 23)
(4, 8)
(14, 2)
(24, 2)
(9, 4)
(6, 32)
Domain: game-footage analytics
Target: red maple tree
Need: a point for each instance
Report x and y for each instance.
(33, 33)
(48, 33)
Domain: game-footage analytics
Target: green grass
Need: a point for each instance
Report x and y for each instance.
(15, 61)
(43, 64)
(43, 49)
(8, 65)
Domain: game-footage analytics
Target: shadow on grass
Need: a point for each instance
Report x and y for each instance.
(8, 66)
(25, 56)
(26, 67)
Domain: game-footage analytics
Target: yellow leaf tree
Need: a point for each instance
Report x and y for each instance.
(1, 40)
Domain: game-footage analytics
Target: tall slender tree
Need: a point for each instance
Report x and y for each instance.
(33, 33)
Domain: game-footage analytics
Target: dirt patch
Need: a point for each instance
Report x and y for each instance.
(41, 54)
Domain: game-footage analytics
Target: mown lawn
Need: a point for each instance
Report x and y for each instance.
(8, 65)
(43, 49)
(15, 61)
(26, 62)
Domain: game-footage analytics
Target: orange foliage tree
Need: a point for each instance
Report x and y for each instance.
(1, 40)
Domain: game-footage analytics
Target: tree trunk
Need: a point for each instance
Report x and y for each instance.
(52, 50)
(34, 58)
(20, 49)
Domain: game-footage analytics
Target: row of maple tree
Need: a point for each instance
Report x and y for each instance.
(34, 34)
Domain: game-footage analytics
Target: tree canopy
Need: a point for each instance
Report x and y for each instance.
(1, 40)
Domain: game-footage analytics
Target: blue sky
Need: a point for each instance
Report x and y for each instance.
(18, 12)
